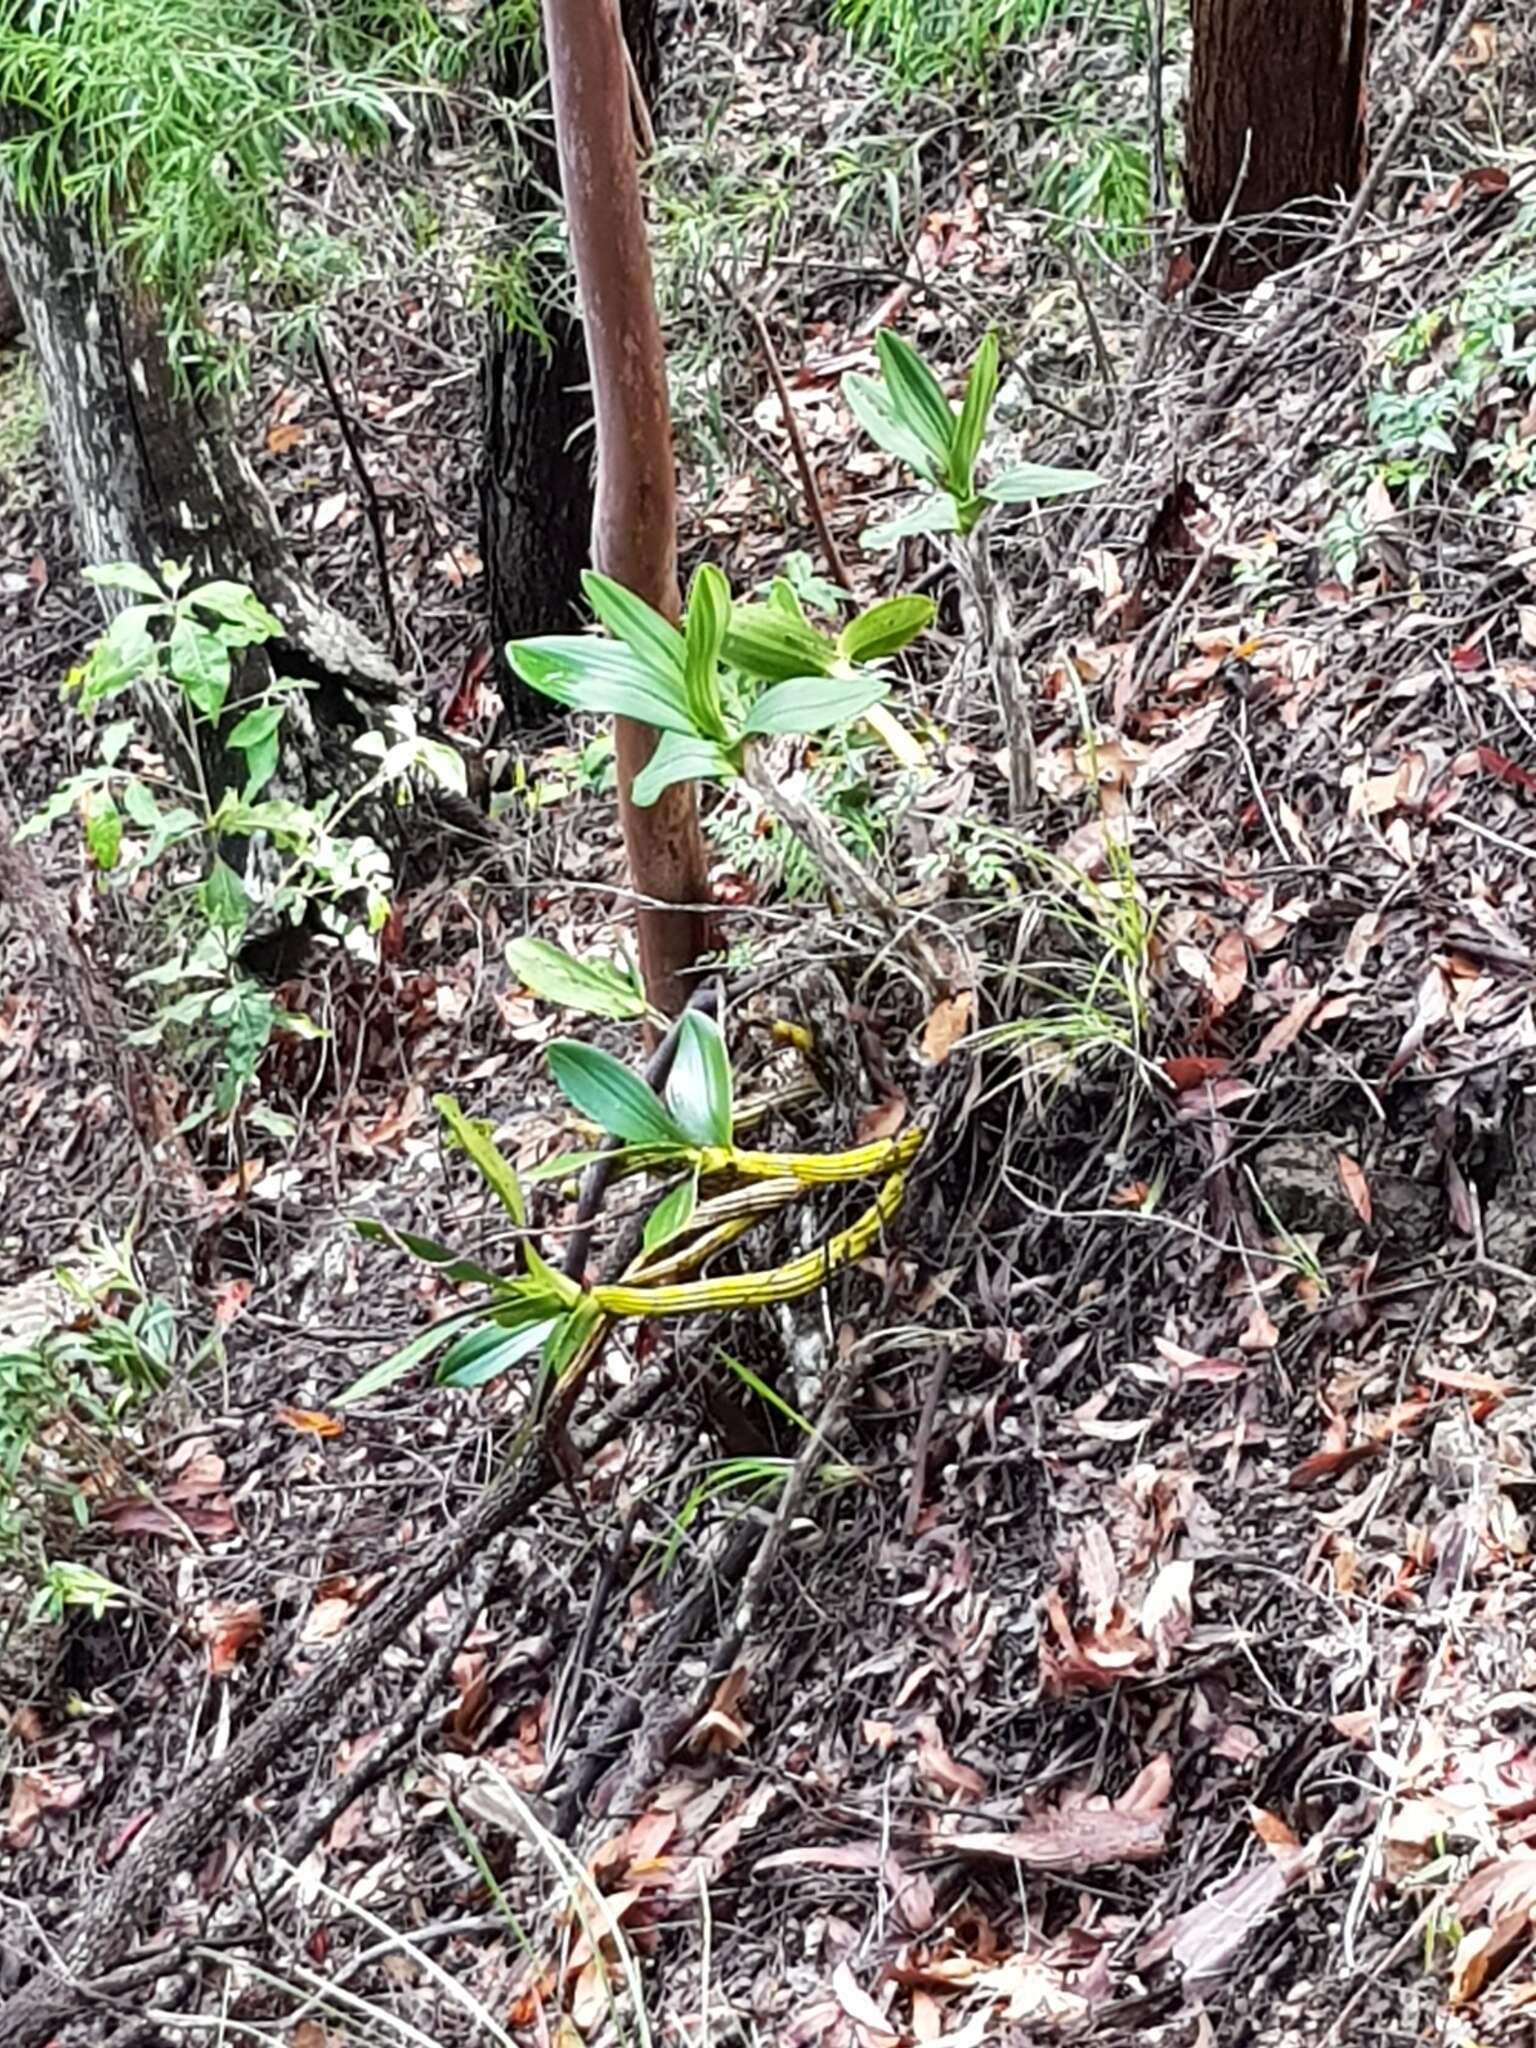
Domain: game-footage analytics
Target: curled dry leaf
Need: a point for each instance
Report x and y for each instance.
(948, 1024)
(862, 2009)
(939, 1768)
(1167, 1613)
(883, 1121)
(1282, 1036)
(1355, 1185)
(226, 1629)
(311, 1421)
(1072, 1840)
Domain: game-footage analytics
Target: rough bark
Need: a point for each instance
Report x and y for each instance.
(634, 529)
(1275, 119)
(537, 471)
(152, 470)
(10, 311)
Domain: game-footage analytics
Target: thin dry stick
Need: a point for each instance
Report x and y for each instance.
(842, 871)
(369, 491)
(316, 1822)
(764, 1567)
(922, 1443)
(807, 475)
(1156, 13)
(639, 112)
(999, 647)
(180, 1832)
(1396, 135)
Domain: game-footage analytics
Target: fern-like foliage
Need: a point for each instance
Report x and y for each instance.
(171, 126)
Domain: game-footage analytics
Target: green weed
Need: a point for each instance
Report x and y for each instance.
(79, 1353)
(1441, 412)
(170, 126)
(930, 43)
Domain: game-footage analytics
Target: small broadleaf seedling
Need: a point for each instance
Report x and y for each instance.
(906, 413)
(735, 673)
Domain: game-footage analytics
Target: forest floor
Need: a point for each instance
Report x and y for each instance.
(1161, 1663)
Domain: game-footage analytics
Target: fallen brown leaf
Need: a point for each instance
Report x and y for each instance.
(1281, 1036)
(310, 1420)
(226, 1629)
(1355, 1185)
(947, 1025)
(938, 1767)
(1074, 1841)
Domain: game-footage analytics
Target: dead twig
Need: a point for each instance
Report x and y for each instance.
(366, 486)
(807, 475)
(922, 1443)
(315, 1824)
(32, 2015)
(843, 873)
(1450, 42)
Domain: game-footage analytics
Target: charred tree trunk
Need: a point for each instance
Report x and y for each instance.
(154, 472)
(1275, 118)
(537, 467)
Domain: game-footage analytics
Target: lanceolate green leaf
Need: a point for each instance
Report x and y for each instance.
(615, 1099)
(938, 514)
(462, 1272)
(1032, 481)
(595, 986)
(569, 1335)
(673, 1213)
(103, 830)
(655, 640)
(699, 1085)
(886, 628)
(485, 1354)
(917, 396)
(200, 663)
(970, 429)
(237, 606)
(875, 413)
(709, 613)
(679, 759)
(598, 676)
(813, 704)
(474, 1139)
(124, 576)
(765, 642)
(400, 1362)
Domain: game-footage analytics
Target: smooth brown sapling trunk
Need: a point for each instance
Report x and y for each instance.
(537, 461)
(1275, 119)
(634, 528)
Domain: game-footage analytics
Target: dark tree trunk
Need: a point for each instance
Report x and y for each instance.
(1276, 117)
(536, 478)
(154, 473)
(10, 311)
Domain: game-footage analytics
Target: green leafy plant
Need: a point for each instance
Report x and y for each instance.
(906, 413)
(96, 1344)
(594, 987)
(1440, 414)
(229, 861)
(939, 42)
(734, 673)
(684, 1135)
(65, 1586)
(170, 125)
(842, 782)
